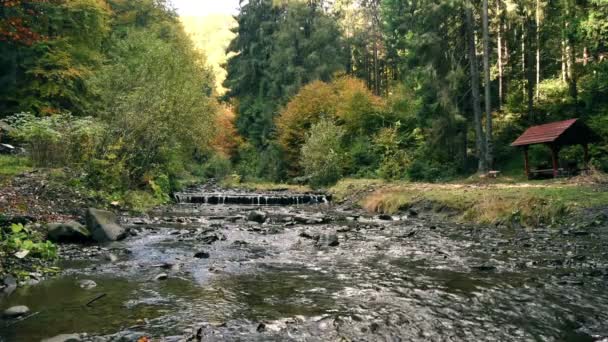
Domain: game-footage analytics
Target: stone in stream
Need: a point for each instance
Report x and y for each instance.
(87, 284)
(257, 216)
(10, 284)
(317, 219)
(484, 268)
(162, 276)
(328, 240)
(64, 338)
(311, 236)
(16, 311)
(103, 226)
(202, 255)
(111, 257)
(71, 231)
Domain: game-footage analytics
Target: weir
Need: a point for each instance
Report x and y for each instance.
(252, 199)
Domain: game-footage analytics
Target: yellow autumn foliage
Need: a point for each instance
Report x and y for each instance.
(345, 100)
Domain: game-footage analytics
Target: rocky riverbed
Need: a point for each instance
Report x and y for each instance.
(199, 272)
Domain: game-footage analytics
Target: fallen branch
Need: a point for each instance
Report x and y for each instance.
(96, 299)
(21, 319)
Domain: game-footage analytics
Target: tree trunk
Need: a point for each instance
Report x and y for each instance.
(486, 69)
(474, 71)
(500, 58)
(530, 71)
(538, 19)
(564, 69)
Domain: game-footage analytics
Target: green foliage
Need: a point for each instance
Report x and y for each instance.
(395, 160)
(151, 129)
(322, 157)
(277, 50)
(254, 165)
(48, 75)
(18, 238)
(57, 140)
(217, 167)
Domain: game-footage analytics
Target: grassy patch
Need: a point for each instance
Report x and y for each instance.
(11, 166)
(527, 203)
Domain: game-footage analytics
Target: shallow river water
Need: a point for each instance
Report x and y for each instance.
(319, 273)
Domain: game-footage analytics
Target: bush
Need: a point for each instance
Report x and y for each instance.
(322, 156)
(347, 100)
(156, 96)
(395, 159)
(57, 140)
(217, 167)
(422, 169)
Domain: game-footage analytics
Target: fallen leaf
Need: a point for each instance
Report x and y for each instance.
(22, 253)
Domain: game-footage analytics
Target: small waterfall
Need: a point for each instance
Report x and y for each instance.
(254, 199)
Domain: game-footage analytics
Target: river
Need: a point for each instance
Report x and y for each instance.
(322, 273)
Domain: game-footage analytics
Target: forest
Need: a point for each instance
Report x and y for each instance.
(311, 91)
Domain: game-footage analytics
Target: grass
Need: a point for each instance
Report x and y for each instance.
(530, 204)
(11, 166)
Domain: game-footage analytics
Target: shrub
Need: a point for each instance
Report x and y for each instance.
(322, 156)
(57, 140)
(347, 100)
(217, 167)
(395, 159)
(156, 97)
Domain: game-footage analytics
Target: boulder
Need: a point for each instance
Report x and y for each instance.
(103, 226)
(257, 216)
(16, 311)
(64, 338)
(68, 232)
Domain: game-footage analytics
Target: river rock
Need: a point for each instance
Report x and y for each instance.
(328, 240)
(103, 225)
(162, 276)
(9, 285)
(257, 216)
(71, 231)
(64, 338)
(111, 257)
(317, 219)
(87, 284)
(16, 311)
(201, 255)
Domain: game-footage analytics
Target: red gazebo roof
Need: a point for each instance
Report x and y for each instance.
(544, 133)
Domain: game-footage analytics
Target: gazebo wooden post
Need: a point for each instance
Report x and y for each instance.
(555, 159)
(586, 153)
(526, 162)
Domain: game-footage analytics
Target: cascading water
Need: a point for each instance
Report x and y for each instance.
(251, 198)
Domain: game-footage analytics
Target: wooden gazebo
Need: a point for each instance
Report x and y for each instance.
(556, 135)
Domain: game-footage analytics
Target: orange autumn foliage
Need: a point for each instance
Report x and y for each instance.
(227, 138)
(347, 100)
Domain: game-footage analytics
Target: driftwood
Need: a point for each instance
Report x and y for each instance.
(96, 299)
